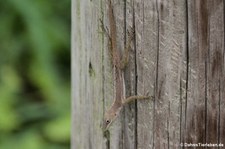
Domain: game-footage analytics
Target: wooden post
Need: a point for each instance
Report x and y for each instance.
(177, 56)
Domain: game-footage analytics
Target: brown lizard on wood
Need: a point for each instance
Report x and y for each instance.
(118, 68)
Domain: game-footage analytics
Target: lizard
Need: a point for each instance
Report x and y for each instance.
(119, 63)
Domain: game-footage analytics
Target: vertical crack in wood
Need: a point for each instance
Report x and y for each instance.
(136, 81)
(181, 107)
(218, 129)
(222, 74)
(125, 42)
(207, 61)
(206, 112)
(168, 128)
(157, 69)
(187, 67)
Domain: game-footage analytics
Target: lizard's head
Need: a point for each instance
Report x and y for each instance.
(109, 118)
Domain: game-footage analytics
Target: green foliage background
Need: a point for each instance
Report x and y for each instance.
(35, 74)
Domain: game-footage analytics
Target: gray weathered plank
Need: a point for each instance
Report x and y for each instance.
(87, 103)
(129, 126)
(205, 75)
(146, 27)
(170, 59)
(197, 49)
(163, 40)
(214, 69)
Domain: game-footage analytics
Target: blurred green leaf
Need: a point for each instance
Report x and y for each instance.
(28, 140)
(56, 130)
(10, 86)
(35, 74)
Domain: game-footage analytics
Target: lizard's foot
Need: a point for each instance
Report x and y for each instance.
(132, 98)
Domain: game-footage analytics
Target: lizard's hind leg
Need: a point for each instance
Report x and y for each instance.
(105, 30)
(109, 39)
(125, 58)
(132, 98)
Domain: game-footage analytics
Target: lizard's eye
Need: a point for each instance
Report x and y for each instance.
(107, 121)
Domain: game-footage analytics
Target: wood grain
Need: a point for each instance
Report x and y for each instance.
(197, 49)
(206, 49)
(146, 27)
(87, 72)
(177, 56)
(214, 67)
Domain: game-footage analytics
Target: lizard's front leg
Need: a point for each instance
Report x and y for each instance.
(125, 58)
(109, 38)
(132, 98)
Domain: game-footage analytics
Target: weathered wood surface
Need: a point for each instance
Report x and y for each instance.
(87, 76)
(162, 59)
(204, 112)
(177, 56)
